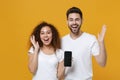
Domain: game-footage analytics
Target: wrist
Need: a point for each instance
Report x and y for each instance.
(101, 41)
(36, 50)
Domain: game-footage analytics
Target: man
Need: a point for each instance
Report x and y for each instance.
(83, 46)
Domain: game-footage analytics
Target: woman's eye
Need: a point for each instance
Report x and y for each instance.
(41, 33)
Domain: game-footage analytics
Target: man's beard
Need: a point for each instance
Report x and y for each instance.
(75, 29)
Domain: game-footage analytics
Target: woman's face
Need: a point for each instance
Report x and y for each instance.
(46, 35)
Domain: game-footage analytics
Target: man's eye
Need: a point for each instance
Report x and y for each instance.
(77, 19)
(70, 19)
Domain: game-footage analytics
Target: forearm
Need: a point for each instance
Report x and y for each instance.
(61, 76)
(61, 70)
(103, 54)
(102, 57)
(33, 63)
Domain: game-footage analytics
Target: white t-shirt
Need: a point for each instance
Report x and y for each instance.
(82, 50)
(47, 65)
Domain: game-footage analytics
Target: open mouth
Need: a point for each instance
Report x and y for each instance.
(74, 26)
(46, 39)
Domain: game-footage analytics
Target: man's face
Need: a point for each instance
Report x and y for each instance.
(74, 22)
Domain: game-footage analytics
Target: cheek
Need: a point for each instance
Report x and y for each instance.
(50, 36)
(79, 22)
(41, 36)
(69, 24)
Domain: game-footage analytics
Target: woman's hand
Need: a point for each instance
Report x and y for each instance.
(35, 43)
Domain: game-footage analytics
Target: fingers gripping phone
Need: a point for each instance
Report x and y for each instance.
(67, 58)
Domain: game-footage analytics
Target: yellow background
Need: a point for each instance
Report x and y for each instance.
(19, 17)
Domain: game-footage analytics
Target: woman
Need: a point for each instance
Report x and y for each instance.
(45, 55)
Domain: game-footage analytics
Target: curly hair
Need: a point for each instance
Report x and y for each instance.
(55, 35)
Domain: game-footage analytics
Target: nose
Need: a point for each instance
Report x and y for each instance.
(74, 22)
(45, 35)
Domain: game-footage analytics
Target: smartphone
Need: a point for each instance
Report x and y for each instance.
(68, 58)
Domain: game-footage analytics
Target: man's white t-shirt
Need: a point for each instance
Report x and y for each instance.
(82, 50)
(47, 65)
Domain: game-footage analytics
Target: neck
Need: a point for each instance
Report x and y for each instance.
(75, 36)
(47, 46)
(48, 49)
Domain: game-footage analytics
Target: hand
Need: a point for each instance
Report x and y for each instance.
(101, 35)
(35, 43)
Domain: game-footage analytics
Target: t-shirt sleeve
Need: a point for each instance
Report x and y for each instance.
(95, 49)
(60, 55)
(31, 50)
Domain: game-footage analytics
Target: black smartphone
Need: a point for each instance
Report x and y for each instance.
(68, 58)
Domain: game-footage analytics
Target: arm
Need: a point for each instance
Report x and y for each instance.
(33, 58)
(61, 69)
(102, 57)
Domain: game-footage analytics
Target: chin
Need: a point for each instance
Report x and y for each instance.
(46, 44)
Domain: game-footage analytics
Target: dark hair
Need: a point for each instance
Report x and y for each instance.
(55, 35)
(74, 10)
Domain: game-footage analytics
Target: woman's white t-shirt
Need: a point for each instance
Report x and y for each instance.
(47, 65)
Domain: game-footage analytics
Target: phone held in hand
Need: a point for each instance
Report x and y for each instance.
(68, 58)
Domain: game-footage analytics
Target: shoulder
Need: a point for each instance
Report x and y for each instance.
(59, 51)
(60, 54)
(31, 50)
(89, 36)
(65, 37)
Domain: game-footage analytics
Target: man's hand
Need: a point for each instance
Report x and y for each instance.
(101, 35)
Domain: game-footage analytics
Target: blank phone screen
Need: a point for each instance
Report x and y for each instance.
(67, 58)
